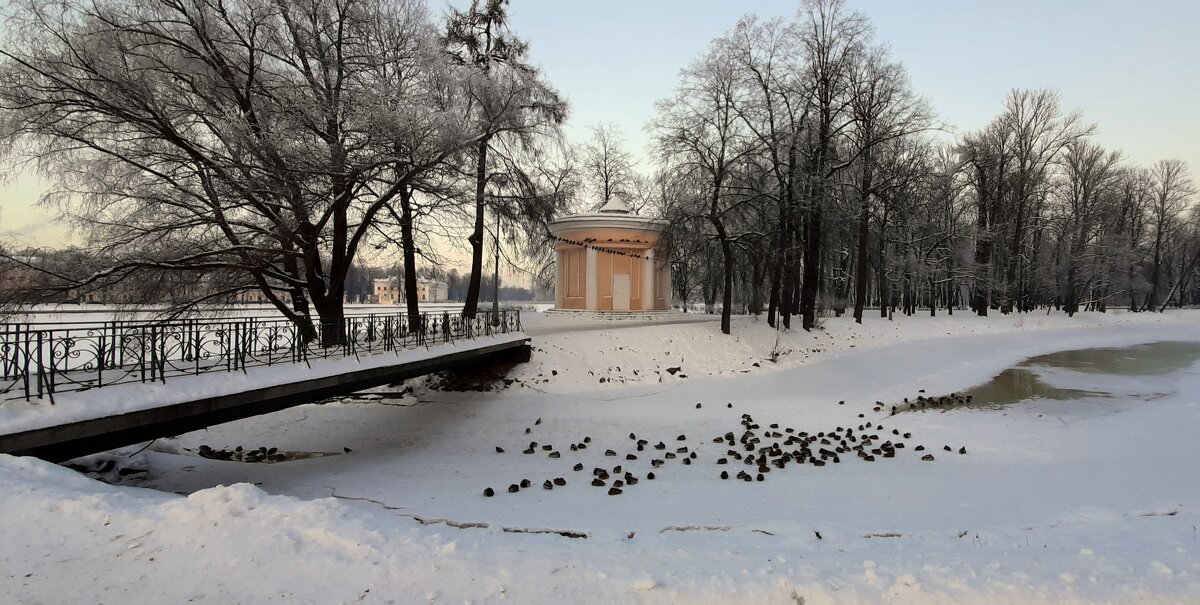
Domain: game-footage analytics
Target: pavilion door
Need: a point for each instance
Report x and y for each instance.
(620, 292)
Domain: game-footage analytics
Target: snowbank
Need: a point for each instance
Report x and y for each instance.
(642, 352)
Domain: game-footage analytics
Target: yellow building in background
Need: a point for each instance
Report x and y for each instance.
(390, 291)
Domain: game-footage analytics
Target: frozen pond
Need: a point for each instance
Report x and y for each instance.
(1140, 372)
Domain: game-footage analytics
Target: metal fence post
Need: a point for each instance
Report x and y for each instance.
(41, 378)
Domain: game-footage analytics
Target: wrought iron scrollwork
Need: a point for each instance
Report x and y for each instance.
(37, 360)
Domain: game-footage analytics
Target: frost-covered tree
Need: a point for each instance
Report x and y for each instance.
(249, 142)
(509, 98)
(609, 168)
(699, 135)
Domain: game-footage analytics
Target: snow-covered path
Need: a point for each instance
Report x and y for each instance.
(1074, 503)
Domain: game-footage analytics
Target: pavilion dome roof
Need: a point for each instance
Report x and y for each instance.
(614, 214)
(616, 205)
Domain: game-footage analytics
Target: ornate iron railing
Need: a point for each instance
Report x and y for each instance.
(37, 360)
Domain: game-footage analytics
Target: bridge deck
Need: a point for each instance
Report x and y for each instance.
(95, 420)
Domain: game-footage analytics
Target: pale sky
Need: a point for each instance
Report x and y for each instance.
(1131, 67)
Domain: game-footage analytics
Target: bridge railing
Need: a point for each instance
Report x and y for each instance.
(38, 361)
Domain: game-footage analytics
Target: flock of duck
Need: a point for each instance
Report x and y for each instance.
(238, 454)
(756, 450)
(923, 402)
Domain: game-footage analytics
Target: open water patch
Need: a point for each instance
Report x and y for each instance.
(1140, 372)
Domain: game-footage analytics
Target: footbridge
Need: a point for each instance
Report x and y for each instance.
(69, 389)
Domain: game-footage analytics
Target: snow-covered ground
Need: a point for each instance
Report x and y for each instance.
(1053, 502)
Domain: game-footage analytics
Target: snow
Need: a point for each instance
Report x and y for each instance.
(1052, 504)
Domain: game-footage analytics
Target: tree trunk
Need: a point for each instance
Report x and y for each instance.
(1156, 272)
(952, 287)
(727, 285)
(787, 300)
(709, 284)
(496, 277)
(881, 275)
(1186, 271)
(471, 305)
(300, 306)
(812, 267)
(813, 232)
(1011, 286)
(332, 318)
(773, 300)
(841, 295)
(981, 292)
(756, 278)
(864, 232)
(932, 297)
(410, 259)
(714, 216)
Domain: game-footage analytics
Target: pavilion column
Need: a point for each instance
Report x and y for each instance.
(592, 287)
(560, 273)
(648, 281)
(666, 281)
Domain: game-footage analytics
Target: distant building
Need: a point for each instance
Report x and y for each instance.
(255, 296)
(107, 295)
(387, 291)
(14, 278)
(430, 290)
(390, 291)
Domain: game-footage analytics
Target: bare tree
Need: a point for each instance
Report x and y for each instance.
(244, 140)
(987, 155)
(509, 98)
(826, 156)
(1040, 132)
(698, 133)
(609, 168)
(884, 109)
(1173, 187)
(1090, 172)
(833, 40)
(774, 108)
